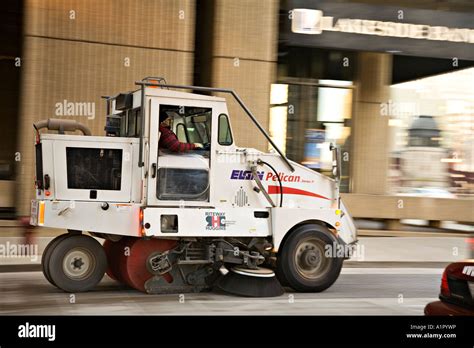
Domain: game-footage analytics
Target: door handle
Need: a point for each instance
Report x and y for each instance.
(47, 181)
(153, 170)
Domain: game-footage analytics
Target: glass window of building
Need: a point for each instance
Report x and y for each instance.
(432, 123)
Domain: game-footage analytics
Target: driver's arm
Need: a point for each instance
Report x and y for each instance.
(169, 140)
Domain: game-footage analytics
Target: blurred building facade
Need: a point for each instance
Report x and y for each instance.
(422, 159)
(308, 90)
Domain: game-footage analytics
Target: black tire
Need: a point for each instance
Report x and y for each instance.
(302, 260)
(280, 274)
(77, 263)
(47, 255)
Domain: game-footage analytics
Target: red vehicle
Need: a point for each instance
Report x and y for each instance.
(457, 291)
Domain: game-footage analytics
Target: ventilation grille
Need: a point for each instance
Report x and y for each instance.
(241, 198)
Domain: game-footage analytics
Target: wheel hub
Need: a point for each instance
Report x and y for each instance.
(78, 264)
(310, 258)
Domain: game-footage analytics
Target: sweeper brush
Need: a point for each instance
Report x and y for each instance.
(127, 260)
(260, 282)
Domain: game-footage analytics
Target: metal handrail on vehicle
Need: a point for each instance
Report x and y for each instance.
(144, 84)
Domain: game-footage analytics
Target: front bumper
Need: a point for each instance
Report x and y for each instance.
(438, 308)
(118, 218)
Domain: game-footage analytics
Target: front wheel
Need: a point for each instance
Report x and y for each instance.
(77, 263)
(306, 260)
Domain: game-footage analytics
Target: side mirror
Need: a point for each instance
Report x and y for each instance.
(336, 161)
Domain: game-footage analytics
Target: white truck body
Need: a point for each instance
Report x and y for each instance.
(146, 202)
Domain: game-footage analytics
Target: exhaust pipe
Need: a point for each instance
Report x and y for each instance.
(62, 126)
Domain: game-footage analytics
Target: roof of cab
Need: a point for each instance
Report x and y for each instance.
(160, 92)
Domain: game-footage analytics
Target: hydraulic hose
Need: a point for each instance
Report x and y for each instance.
(260, 186)
(259, 161)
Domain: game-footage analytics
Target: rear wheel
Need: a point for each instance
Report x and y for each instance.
(77, 263)
(304, 262)
(47, 255)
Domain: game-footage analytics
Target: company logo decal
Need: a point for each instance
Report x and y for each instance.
(238, 174)
(215, 221)
(244, 175)
(247, 175)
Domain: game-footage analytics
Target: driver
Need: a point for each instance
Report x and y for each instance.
(169, 140)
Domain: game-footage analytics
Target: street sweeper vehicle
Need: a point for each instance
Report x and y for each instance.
(217, 216)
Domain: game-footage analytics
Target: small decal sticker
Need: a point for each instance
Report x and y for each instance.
(215, 221)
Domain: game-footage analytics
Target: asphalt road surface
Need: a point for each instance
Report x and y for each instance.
(358, 291)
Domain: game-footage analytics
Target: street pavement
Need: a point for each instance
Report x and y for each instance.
(388, 276)
(358, 291)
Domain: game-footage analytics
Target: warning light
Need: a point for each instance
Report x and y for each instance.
(41, 214)
(142, 229)
(338, 224)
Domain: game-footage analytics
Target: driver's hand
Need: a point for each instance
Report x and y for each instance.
(198, 145)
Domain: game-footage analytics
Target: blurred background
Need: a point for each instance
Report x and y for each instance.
(390, 81)
(400, 105)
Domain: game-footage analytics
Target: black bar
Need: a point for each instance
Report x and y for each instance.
(142, 127)
(242, 330)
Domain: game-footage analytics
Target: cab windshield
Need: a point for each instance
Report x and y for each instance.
(190, 124)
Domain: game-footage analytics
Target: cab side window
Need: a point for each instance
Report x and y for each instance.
(225, 134)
